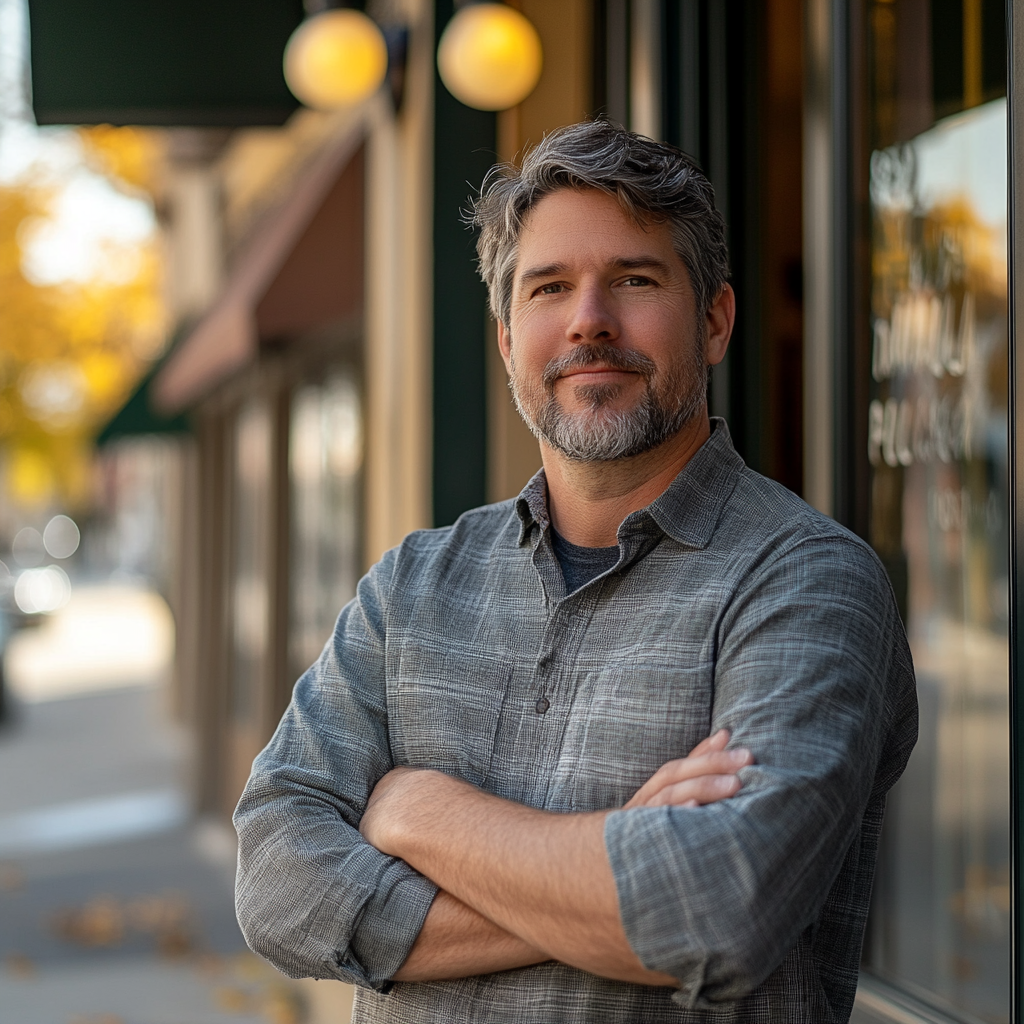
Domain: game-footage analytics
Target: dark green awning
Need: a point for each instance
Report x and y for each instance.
(161, 62)
(137, 416)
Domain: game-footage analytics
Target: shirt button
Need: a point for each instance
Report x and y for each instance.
(542, 705)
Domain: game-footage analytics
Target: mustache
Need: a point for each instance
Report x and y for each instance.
(608, 355)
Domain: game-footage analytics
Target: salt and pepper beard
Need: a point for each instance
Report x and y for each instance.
(599, 434)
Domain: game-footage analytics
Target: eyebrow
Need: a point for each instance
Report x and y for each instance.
(622, 263)
(547, 270)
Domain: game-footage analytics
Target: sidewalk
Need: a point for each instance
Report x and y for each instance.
(115, 907)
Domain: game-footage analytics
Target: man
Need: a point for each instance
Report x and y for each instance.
(478, 806)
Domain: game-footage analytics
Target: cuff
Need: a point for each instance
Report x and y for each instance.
(644, 894)
(645, 851)
(389, 923)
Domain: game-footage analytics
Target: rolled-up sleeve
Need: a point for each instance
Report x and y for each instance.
(312, 896)
(812, 674)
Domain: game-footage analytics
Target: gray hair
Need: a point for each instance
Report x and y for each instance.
(651, 180)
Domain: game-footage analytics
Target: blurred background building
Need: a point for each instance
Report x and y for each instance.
(282, 361)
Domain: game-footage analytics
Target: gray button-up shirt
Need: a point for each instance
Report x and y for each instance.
(733, 604)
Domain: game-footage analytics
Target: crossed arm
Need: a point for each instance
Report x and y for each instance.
(518, 885)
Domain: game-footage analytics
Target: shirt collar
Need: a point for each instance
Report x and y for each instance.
(687, 510)
(532, 505)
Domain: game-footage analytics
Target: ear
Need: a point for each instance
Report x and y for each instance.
(721, 317)
(505, 346)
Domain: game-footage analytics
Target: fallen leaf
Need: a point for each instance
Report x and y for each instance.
(210, 964)
(174, 942)
(12, 878)
(283, 1006)
(20, 965)
(99, 923)
(231, 998)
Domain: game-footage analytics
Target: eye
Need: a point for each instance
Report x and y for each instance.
(637, 282)
(550, 289)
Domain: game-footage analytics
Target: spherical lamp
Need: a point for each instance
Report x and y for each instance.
(337, 58)
(489, 56)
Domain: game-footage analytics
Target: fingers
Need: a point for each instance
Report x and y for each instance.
(720, 762)
(715, 763)
(716, 741)
(694, 792)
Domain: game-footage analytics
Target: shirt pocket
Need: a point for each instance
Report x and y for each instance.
(443, 710)
(635, 718)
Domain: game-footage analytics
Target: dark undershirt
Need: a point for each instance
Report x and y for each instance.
(581, 565)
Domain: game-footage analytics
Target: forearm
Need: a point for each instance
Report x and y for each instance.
(457, 942)
(542, 877)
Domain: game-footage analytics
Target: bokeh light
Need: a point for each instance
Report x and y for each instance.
(53, 393)
(42, 590)
(27, 548)
(61, 537)
(90, 232)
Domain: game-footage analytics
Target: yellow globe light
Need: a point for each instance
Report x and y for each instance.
(335, 59)
(489, 56)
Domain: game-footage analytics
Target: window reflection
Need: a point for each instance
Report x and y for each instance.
(250, 599)
(937, 443)
(324, 462)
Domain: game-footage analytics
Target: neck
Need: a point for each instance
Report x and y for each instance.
(587, 501)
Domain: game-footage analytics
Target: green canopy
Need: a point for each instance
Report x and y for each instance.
(138, 417)
(161, 62)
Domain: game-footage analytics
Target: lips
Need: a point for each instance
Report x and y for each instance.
(597, 371)
(603, 359)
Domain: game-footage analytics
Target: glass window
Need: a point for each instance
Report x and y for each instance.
(325, 458)
(250, 598)
(937, 445)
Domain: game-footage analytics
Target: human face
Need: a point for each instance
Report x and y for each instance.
(606, 350)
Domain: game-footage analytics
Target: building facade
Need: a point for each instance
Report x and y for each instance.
(343, 384)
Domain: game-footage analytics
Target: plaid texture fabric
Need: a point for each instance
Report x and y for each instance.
(733, 604)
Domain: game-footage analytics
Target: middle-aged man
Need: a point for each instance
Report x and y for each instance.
(478, 806)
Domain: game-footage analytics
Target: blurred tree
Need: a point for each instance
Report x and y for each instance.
(71, 352)
(127, 156)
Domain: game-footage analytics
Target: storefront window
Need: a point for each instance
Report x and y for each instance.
(250, 599)
(325, 459)
(937, 445)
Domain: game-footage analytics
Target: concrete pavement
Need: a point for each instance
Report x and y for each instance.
(115, 906)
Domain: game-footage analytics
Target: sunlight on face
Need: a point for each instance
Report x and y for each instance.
(608, 357)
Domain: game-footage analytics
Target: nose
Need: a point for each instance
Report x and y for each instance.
(593, 319)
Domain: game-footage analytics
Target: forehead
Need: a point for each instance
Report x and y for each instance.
(588, 223)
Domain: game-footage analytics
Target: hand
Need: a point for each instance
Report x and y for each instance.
(707, 774)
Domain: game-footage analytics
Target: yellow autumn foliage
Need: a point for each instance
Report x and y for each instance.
(129, 157)
(70, 354)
